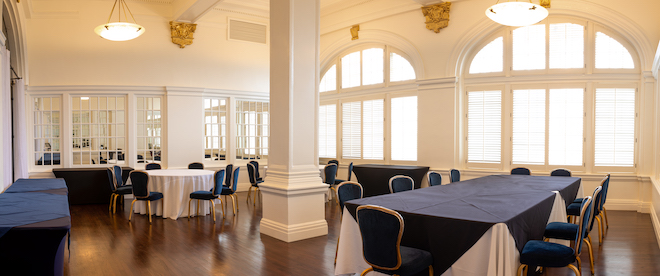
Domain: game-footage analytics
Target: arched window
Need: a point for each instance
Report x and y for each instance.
(544, 96)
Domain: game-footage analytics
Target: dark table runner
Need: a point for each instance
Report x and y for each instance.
(448, 220)
(375, 178)
(33, 185)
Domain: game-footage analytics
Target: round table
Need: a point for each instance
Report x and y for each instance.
(176, 186)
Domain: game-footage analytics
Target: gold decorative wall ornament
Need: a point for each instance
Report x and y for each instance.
(182, 33)
(354, 32)
(437, 16)
(545, 4)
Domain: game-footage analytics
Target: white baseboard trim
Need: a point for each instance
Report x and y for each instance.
(656, 224)
(628, 205)
(295, 232)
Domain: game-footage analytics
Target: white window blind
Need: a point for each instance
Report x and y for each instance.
(484, 126)
(611, 54)
(490, 58)
(329, 80)
(565, 127)
(566, 45)
(372, 66)
(350, 70)
(351, 130)
(615, 127)
(528, 126)
(372, 129)
(529, 48)
(328, 131)
(404, 128)
(400, 68)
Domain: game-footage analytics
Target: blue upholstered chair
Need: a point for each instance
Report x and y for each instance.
(140, 181)
(547, 254)
(196, 166)
(569, 231)
(333, 162)
(231, 190)
(347, 190)
(521, 171)
(350, 171)
(330, 171)
(400, 183)
(598, 210)
(214, 193)
(117, 191)
(119, 180)
(454, 175)
(560, 172)
(253, 174)
(381, 230)
(434, 178)
(152, 166)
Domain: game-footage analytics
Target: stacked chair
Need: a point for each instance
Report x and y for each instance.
(255, 180)
(117, 187)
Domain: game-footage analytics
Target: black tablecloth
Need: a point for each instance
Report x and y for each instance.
(35, 222)
(88, 185)
(448, 220)
(375, 178)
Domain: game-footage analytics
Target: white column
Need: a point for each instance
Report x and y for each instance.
(293, 194)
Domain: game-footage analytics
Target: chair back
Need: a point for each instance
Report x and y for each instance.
(140, 181)
(348, 190)
(585, 215)
(111, 179)
(381, 231)
(454, 175)
(251, 174)
(400, 183)
(218, 179)
(596, 198)
(119, 181)
(606, 187)
(235, 179)
(434, 178)
(196, 166)
(521, 171)
(152, 166)
(333, 162)
(561, 172)
(330, 171)
(229, 169)
(256, 168)
(350, 171)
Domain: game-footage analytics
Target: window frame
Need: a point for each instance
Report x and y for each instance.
(33, 167)
(138, 124)
(228, 133)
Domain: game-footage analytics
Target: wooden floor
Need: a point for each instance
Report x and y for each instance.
(105, 244)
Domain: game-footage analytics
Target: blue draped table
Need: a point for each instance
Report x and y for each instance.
(34, 222)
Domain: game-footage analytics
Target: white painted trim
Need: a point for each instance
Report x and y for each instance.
(34, 90)
(656, 224)
(346, 22)
(656, 63)
(294, 232)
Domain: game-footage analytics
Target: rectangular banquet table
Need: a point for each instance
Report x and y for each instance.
(88, 185)
(474, 227)
(34, 222)
(375, 178)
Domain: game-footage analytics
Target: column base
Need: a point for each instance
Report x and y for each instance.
(292, 233)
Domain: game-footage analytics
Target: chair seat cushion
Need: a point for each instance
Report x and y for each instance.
(205, 195)
(573, 209)
(413, 261)
(561, 230)
(152, 196)
(226, 191)
(124, 190)
(540, 253)
(578, 200)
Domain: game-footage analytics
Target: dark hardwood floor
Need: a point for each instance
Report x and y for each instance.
(105, 244)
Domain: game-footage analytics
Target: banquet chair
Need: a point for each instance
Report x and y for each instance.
(546, 254)
(152, 166)
(454, 175)
(400, 183)
(350, 171)
(231, 191)
(256, 170)
(521, 171)
(140, 181)
(347, 190)
(381, 231)
(434, 178)
(561, 172)
(568, 231)
(196, 166)
(598, 210)
(116, 191)
(333, 161)
(329, 172)
(214, 193)
(253, 175)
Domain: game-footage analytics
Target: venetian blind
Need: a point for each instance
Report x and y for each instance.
(484, 126)
(615, 127)
(528, 140)
(328, 131)
(565, 137)
(351, 130)
(372, 129)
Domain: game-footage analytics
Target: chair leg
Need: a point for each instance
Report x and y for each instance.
(114, 206)
(337, 249)
(234, 204)
(579, 263)
(600, 229)
(131, 212)
(112, 198)
(190, 200)
(213, 210)
(197, 210)
(234, 196)
(430, 270)
(591, 255)
(221, 209)
(572, 267)
(366, 271)
(248, 195)
(522, 269)
(605, 216)
(149, 210)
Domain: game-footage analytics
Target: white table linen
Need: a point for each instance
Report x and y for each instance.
(176, 186)
(494, 254)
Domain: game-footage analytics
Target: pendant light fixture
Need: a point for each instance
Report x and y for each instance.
(120, 31)
(514, 13)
